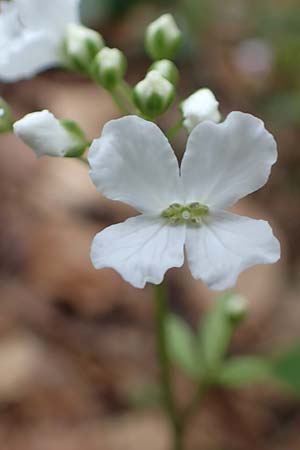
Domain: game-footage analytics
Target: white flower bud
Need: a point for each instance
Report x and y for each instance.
(237, 307)
(6, 121)
(200, 106)
(154, 94)
(109, 67)
(167, 69)
(81, 46)
(163, 38)
(46, 135)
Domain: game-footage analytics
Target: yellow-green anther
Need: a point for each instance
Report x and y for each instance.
(191, 213)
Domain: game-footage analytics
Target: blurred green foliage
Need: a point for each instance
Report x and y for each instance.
(286, 368)
(95, 11)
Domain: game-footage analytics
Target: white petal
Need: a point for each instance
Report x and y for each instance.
(44, 134)
(220, 249)
(224, 162)
(141, 249)
(200, 106)
(31, 35)
(134, 163)
(27, 55)
(53, 15)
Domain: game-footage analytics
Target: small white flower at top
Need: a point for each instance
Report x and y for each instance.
(134, 163)
(32, 34)
(200, 106)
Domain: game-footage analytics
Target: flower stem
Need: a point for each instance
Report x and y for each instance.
(126, 90)
(119, 102)
(161, 314)
(174, 129)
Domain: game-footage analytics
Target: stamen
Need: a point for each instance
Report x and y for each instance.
(191, 214)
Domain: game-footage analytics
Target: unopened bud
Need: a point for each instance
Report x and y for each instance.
(6, 120)
(237, 308)
(109, 67)
(154, 94)
(200, 106)
(47, 135)
(167, 69)
(81, 46)
(163, 38)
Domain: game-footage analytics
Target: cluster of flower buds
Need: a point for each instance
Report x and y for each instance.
(156, 92)
(81, 45)
(86, 52)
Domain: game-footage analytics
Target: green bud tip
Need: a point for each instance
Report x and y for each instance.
(109, 67)
(167, 69)
(237, 307)
(81, 45)
(153, 95)
(163, 38)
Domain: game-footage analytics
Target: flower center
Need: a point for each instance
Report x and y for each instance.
(191, 214)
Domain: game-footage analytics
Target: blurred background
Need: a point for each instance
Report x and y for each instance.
(77, 352)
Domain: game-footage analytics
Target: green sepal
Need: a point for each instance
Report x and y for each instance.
(154, 105)
(109, 76)
(80, 141)
(167, 69)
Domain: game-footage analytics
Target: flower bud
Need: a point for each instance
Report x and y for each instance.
(200, 106)
(6, 120)
(109, 67)
(167, 69)
(237, 308)
(47, 135)
(81, 46)
(154, 94)
(163, 38)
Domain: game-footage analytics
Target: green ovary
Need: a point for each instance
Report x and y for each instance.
(191, 214)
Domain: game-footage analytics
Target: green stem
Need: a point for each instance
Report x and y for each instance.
(118, 101)
(171, 133)
(83, 160)
(161, 314)
(126, 90)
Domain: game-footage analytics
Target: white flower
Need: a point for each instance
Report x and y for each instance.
(133, 162)
(200, 106)
(45, 134)
(31, 35)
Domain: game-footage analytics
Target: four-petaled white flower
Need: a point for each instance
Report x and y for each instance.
(133, 162)
(31, 35)
(200, 106)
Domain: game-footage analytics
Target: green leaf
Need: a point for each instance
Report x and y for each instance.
(182, 345)
(215, 334)
(237, 372)
(286, 368)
